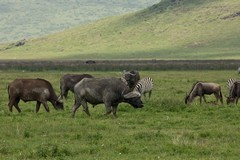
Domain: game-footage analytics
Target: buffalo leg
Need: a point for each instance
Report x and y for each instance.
(75, 107)
(108, 108)
(10, 105)
(85, 107)
(38, 106)
(16, 105)
(45, 106)
(11, 102)
(64, 93)
(114, 110)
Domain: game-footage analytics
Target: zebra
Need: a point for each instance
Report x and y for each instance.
(230, 83)
(144, 86)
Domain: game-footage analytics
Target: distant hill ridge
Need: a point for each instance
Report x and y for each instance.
(171, 29)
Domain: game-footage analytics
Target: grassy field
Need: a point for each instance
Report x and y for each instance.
(165, 128)
(189, 29)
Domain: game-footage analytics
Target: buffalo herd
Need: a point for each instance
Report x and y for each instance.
(86, 89)
(107, 91)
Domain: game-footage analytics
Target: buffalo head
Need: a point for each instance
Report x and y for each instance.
(131, 77)
(58, 105)
(134, 99)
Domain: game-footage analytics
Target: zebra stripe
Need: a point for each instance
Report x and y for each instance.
(230, 83)
(144, 86)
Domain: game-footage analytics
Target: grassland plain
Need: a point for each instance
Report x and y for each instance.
(165, 128)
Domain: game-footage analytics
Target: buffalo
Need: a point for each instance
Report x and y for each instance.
(202, 88)
(110, 91)
(39, 90)
(68, 81)
(132, 77)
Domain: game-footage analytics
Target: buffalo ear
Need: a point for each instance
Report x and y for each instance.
(132, 95)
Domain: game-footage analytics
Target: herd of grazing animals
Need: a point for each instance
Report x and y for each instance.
(86, 89)
(108, 91)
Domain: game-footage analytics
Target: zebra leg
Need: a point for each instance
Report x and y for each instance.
(149, 94)
(144, 94)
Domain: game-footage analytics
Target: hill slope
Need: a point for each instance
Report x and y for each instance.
(31, 18)
(172, 29)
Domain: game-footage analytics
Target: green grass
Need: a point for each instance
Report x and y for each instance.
(165, 128)
(186, 30)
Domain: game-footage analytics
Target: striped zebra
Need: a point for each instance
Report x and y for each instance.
(144, 86)
(230, 83)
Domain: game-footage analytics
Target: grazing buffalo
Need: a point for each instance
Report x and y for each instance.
(110, 91)
(132, 77)
(38, 90)
(234, 92)
(202, 88)
(68, 81)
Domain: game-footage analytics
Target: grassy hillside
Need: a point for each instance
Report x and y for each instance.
(31, 18)
(172, 29)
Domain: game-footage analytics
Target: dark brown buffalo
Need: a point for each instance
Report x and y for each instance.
(234, 93)
(38, 90)
(68, 81)
(110, 91)
(132, 77)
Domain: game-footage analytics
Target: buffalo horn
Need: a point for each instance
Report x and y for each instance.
(60, 99)
(132, 94)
